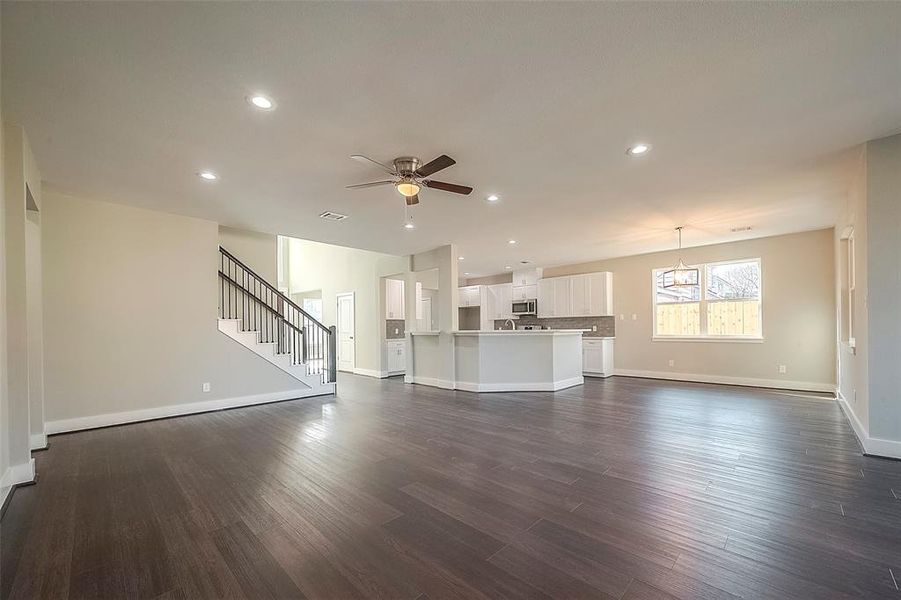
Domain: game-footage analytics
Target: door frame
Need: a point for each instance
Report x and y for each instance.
(353, 301)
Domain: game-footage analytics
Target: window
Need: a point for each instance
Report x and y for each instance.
(313, 307)
(678, 309)
(726, 303)
(848, 280)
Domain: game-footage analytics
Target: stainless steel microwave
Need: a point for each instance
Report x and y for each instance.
(525, 307)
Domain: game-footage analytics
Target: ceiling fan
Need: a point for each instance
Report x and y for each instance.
(410, 176)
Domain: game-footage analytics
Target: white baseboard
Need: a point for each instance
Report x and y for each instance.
(146, 414)
(553, 386)
(371, 373)
(881, 447)
(430, 381)
(38, 441)
(871, 446)
(468, 386)
(15, 475)
(782, 384)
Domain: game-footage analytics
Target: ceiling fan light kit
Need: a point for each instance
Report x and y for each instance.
(410, 176)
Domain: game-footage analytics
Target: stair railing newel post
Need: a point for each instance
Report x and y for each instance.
(332, 355)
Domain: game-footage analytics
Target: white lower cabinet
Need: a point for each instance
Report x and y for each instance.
(597, 357)
(397, 357)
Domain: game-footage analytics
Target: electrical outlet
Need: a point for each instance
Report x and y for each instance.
(206, 386)
(622, 317)
(634, 317)
(782, 369)
(396, 331)
(672, 363)
(594, 327)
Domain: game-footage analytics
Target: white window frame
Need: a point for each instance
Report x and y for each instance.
(851, 284)
(703, 336)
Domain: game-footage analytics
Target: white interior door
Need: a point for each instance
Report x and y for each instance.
(346, 348)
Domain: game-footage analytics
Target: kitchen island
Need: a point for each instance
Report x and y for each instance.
(518, 361)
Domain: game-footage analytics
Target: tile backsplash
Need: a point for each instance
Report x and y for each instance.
(606, 325)
(392, 325)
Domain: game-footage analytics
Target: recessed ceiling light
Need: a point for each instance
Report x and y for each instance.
(493, 198)
(508, 267)
(466, 273)
(511, 242)
(208, 175)
(460, 258)
(409, 225)
(638, 149)
(261, 102)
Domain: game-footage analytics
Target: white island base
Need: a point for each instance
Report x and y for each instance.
(518, 361)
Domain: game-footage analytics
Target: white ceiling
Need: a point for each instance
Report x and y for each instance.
(753, 111)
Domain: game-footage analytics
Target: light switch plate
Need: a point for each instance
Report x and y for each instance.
(206, 386)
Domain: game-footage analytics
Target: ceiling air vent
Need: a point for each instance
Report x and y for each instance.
(332, 216)
(739, 229)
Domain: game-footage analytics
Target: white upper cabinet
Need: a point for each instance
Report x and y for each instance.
(524, 292)
(470, 295)
(562, 296)
(600, 286)
(526, 277)
(500, 301)
(546, 298)
(394, 299)
(525, 284)
(581, 297)
(589, 295)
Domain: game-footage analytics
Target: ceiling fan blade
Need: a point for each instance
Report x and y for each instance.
(366, 185)
(367, 160)
(448, 187)
(412, 200)
(442, 162)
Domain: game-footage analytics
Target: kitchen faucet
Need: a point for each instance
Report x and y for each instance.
(512, 324)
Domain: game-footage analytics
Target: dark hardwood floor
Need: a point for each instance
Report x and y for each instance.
(623, 488)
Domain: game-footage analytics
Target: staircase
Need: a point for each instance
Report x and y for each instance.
(259, 317)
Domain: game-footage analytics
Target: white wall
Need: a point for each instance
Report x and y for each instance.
(432, 358)
(259, 251)
(870, 380)
(884, 286)
(798, 315)
(35, 325)
(130, 314)
(852, 362)
(313, 266)
(20, 172)
(5, 431)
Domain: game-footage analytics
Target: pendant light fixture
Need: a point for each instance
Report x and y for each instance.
(680, 275)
